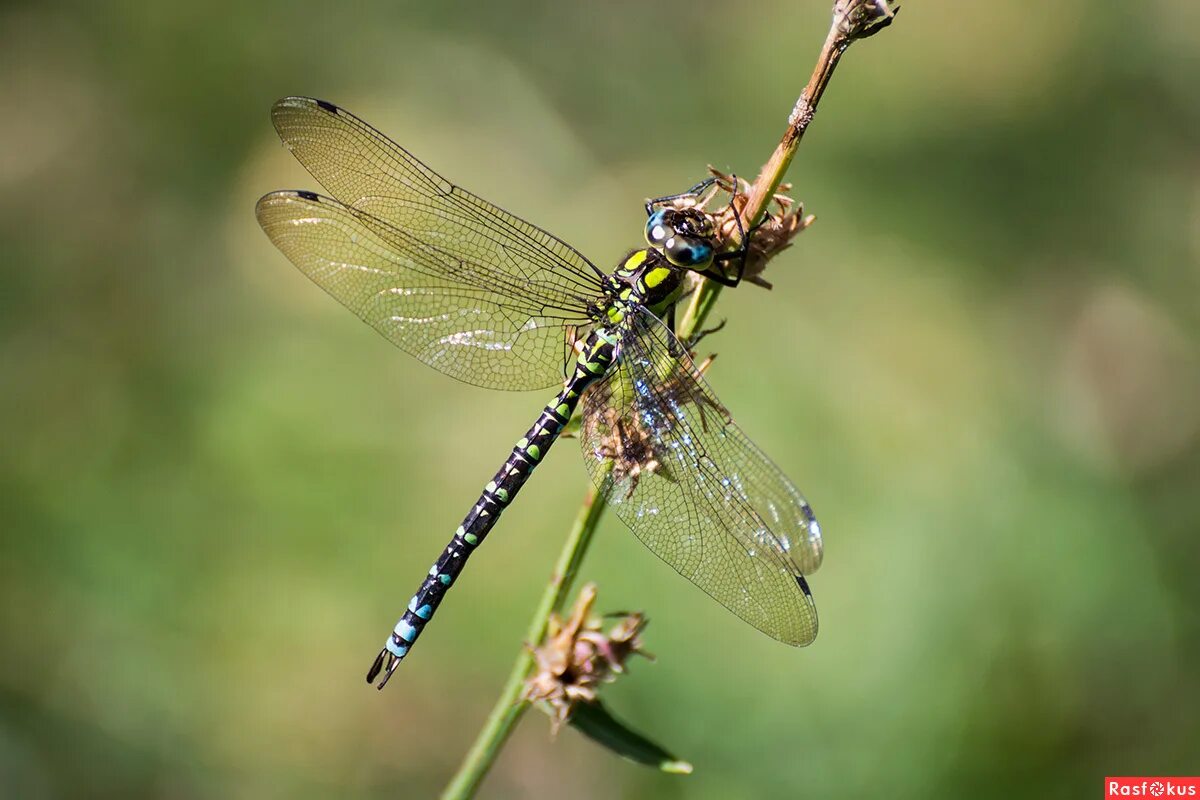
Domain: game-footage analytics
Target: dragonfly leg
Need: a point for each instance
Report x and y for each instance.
(692, 192)
(701, 334)
(741, 252)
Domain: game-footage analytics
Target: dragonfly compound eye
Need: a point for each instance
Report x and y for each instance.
(657, 228)
(688, 251)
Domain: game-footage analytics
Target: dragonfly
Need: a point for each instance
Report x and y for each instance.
(494, 301)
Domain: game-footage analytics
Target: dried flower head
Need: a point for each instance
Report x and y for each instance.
(577, 657)
(623, 441)
(858, 19)
(783, 221)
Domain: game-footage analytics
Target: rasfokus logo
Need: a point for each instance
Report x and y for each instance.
(1151, 787)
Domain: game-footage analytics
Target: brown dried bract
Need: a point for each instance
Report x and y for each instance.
(626, 444)
(577, 657)
(784, 220)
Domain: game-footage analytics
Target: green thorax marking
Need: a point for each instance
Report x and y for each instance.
(645, 277)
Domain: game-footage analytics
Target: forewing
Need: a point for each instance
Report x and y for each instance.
(470, 320)
(366, 171)
(695, 489)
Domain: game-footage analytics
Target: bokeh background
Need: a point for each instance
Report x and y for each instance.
(982, 364)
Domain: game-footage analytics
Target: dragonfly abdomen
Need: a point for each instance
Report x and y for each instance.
(596, 357)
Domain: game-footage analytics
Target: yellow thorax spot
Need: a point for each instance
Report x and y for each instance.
(635, 260)
(656, 276)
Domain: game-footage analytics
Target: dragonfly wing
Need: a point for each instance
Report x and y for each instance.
(695, 489)
(365, 170)
(473, 321)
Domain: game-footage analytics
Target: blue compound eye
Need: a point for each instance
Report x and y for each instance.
(685, 251)
(657, 229)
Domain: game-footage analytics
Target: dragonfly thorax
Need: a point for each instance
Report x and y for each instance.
(646, 278)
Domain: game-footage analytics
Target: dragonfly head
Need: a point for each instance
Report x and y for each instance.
(685, 236)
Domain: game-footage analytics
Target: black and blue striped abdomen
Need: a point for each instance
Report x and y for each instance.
(594, 361)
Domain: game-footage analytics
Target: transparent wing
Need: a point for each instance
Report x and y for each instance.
(695, 489)
(470, 319)
(366, 171)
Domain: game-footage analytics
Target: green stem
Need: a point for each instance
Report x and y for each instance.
(509, 706)
(698, 309)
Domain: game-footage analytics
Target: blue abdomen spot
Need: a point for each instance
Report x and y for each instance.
(405, 631)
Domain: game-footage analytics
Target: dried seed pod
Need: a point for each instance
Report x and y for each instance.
(577, 657)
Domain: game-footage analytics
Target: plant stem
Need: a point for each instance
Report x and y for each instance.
(852, 19)
(509, 706)
(777, 165)
(697, 311)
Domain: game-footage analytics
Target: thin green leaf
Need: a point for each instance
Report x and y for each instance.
(595, 722)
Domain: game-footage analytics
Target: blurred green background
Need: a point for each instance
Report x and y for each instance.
(982, 365)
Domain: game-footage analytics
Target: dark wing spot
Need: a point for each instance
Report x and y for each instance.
(803, 585)
(307, 195)
(326, 105)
